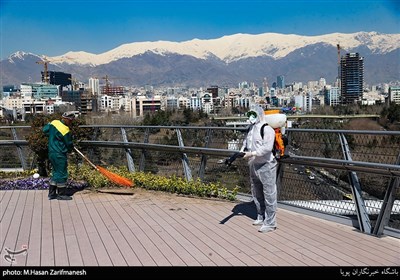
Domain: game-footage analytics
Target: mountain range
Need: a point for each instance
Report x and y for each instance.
(224, 61)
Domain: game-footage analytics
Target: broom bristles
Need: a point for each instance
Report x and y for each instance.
(115, 178)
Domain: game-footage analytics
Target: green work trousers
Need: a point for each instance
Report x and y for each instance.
(59, 174)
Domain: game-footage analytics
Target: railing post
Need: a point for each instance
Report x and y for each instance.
(129, 159)
(361, 210)
(142, 154)
(185, 160)
(203, 162)
(19, 149)
(94, 137)
(387, 204)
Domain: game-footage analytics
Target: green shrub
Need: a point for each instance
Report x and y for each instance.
(172, 184)
(151, 181)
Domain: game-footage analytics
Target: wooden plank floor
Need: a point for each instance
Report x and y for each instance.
(159, 229)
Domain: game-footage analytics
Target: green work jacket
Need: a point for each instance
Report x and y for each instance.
(60, 137)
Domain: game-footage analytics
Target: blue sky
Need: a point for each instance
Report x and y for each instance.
(54, 27)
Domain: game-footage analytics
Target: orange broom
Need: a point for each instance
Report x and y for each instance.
(115, 178)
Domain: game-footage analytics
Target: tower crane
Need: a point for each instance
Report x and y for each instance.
(338, 52)
(74, 83)
(45, 63)
(107, 80)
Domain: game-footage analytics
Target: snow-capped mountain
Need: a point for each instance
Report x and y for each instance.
(239, 46)
(226, 60)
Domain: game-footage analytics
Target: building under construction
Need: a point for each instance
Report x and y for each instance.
(351, 78)
(112, 90)
(57, 78)
(83, 99)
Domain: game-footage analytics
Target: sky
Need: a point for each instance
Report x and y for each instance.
(55, 27)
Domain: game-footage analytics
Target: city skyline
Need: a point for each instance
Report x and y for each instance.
(55, 27)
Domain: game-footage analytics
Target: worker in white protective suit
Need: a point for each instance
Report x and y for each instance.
(263, 169)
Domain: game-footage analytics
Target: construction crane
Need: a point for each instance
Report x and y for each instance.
(339, 58)
(45, 62)
(74, 83)
(107, 80)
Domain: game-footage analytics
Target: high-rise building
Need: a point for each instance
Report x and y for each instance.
(332, 96)
(265, 86)
(280, 81)
(351, 78)
(394, 94)
(94, 88)
(58, 78)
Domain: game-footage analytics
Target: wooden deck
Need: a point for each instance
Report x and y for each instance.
(159, 229)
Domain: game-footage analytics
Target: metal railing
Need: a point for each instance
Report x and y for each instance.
(348, 176)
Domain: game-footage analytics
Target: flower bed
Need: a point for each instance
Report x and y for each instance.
(31, 183)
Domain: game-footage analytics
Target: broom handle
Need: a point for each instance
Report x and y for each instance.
(82, 155)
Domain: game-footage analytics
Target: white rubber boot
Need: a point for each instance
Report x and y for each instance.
(259, 221)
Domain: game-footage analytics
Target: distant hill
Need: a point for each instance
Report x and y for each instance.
(225, 61)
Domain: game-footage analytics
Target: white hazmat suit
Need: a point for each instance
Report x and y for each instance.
(263, 170)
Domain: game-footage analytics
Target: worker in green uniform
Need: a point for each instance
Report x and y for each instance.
(60, 144)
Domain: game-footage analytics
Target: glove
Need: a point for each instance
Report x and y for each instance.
(233, 157)
(249, 154)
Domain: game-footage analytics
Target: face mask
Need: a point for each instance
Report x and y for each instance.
(252, 119)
